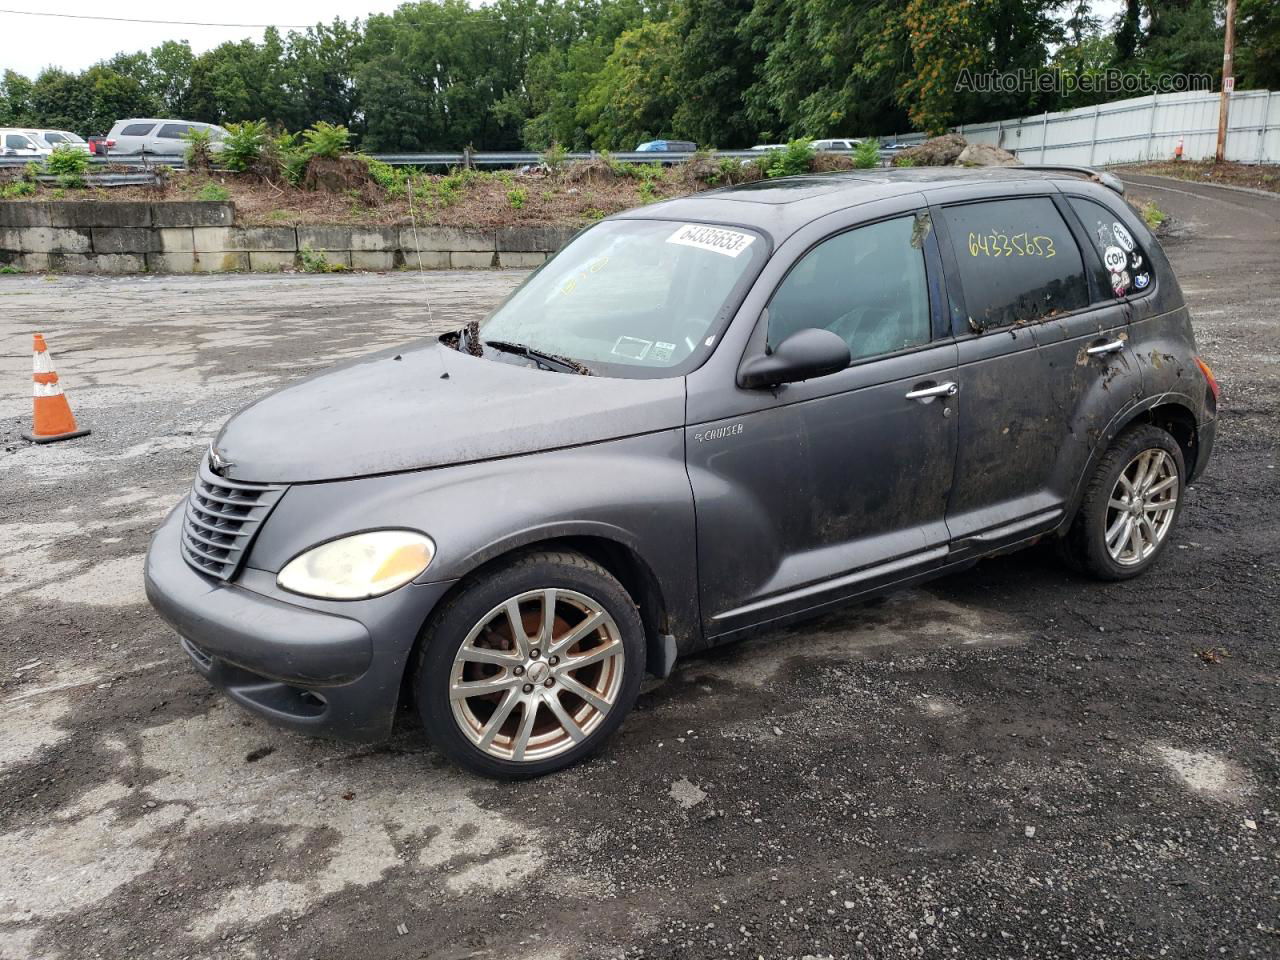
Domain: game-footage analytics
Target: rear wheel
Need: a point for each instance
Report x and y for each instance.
(1130, 506)
(532, 667)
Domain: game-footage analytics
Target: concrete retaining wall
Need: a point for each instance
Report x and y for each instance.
(86, 236)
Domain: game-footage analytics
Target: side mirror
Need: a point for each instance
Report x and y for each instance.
(804, 355)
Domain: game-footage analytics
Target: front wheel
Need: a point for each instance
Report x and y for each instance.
(1130, 506)
(531, 667)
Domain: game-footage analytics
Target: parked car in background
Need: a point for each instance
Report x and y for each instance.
(23, 143)
(667, 146)
(100, 144)
(56, 138)
(769, 146)
(708, 416)
(165, 138)
(839, 143)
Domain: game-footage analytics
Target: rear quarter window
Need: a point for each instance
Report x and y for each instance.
(137, 130)
(1017, 260)
(1126, 271)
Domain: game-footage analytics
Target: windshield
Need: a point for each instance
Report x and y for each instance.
(632, 298)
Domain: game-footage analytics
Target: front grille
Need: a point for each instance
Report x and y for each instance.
(221, 520)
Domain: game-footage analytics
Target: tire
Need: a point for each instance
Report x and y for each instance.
(521, 675)
(1100, 542)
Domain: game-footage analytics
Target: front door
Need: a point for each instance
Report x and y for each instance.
(827, 488)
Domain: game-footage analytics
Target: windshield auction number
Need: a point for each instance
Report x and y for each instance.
(1010, 245)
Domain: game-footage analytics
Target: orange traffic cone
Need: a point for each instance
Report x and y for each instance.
(53, 419)
(1177, 151)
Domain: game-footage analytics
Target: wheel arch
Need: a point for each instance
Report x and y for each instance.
(1172, 412)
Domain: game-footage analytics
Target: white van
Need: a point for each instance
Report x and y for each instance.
(159, 137)
(56, 138)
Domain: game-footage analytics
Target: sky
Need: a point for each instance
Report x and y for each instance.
(28, 44)
(31, 43)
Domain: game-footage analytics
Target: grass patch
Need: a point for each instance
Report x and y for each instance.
(214, 193)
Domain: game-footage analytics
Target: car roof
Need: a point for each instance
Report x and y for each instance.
(781, 206)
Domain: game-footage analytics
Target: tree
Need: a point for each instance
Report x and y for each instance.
(714, 69)
(634, 96)
(1258, 35)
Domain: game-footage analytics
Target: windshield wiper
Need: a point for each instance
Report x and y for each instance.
(549, 360)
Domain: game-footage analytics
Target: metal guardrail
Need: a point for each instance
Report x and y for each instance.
(461, 158)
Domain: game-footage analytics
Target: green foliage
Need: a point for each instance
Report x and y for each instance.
(314, 261)
(17, 188)
(796, 157)
(867, 154)
(517, 197)
(9, 269)
(244, 144)
(214, 192)
(68, 162)
(290, 158)
(904, 161)
(326, 140)
(648, 192)
(594, 213)
(554, 157)
(386, 176)
(199, 152)
(1153, 215)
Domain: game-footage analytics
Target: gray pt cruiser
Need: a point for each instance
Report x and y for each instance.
(702, 418)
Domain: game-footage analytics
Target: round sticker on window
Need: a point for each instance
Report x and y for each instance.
(1141, 280)
(1122, 237)
(1114, 258)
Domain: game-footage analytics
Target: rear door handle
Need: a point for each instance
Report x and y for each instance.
(1115, 346)
(926, 394)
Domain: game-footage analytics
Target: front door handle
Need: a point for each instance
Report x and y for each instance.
(926, 394)
(1115, 346)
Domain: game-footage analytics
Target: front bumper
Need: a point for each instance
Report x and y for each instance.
(325, 667)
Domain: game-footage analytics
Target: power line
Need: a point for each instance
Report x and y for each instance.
(172, 23)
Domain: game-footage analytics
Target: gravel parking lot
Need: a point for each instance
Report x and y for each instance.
(1011, 762)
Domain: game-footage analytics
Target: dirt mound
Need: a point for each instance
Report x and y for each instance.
(823, 161)
(341, 175)
(986, 155)
(939, 152)
(594, 171)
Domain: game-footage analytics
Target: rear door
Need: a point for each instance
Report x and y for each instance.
(132, 137)
(1044, 364)
(818, 491)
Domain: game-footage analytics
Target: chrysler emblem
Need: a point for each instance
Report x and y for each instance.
(217, 462)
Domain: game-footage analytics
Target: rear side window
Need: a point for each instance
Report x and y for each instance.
(137, 130)
(867, 285)
(1125, 267)
(1018, 262)
(55, 138)
(173, 131)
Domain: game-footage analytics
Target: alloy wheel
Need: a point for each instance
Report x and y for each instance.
(537, 675)
(1141, 508)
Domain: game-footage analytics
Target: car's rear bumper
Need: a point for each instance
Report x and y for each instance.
(1206, 434)
(318, 667)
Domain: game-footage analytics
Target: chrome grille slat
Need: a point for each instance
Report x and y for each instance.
(221, 518)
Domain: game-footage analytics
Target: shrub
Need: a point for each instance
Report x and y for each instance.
(796, 157)
(385, 175)
(199, 153)
(326, 140)
(68, 165)
(18, 188)
(517, 197)
(314, 261)
(648, 194)
(730, 169)
(904, 161)
(290, 157)
(1153, 215)
(555, 158)
(214, 192)
(243, 146)
(30, 171)
(867, 154)
(9, 268)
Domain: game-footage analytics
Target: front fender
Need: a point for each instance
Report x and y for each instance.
(634, 492)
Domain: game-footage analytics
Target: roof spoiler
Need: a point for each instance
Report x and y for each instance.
(1107, 179)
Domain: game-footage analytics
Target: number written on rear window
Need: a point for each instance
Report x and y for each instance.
(1018, 262)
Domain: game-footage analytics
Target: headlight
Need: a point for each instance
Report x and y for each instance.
(359, 566)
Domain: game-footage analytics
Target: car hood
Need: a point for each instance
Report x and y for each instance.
(427, 405)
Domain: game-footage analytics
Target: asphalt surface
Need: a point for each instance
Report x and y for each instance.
(1011, 762)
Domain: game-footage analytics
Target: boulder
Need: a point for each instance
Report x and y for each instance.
(939, 152)
(985, 155)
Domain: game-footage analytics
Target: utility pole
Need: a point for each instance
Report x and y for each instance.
(1228, 80)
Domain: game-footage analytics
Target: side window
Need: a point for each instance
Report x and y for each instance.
(55, 138)
(173, 131)
(16, 141)
(1126, 269)
(868, 285)
(137, 130)
(1017, 259)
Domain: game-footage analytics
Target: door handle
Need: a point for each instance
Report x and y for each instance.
(1113, 347)
(926, 394)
